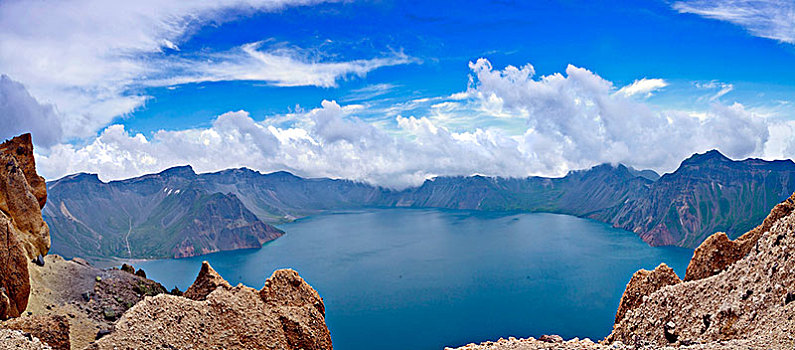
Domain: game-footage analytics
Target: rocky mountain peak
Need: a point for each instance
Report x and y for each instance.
(185, 171)
(711, 156)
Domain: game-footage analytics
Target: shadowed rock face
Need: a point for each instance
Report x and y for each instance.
(286, 314)
(23, 233)
(14, 278)
(717, 252)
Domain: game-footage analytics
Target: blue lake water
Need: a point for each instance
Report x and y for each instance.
(425, 279)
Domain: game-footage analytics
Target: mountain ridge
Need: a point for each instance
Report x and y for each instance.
(708, 192)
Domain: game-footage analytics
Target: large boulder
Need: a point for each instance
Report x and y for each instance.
(642, 284)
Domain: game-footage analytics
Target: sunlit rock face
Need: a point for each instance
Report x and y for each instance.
(24, 235)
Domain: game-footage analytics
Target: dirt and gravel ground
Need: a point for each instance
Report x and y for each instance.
(91, 298)
(11, 339)
(587, 344)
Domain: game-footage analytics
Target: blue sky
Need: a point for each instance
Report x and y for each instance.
(621, 42)
(126, 89)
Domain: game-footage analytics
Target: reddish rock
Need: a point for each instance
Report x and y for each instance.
(14, 278)
(717, 252)
(52, 330)
(554, 338)
(18, 202)
(23, 233)
(206, 282)
(642, 284)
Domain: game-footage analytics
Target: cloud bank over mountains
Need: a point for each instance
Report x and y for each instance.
(70, 69)
(573, 121)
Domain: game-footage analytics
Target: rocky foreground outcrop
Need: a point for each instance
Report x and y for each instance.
(47, 302)
(750, 299)
(23, 233)
(285, 314)
(736, 295)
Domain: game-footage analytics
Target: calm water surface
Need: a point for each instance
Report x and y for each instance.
(424, 279)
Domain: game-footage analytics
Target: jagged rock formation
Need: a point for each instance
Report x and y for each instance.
(206, 282)
(90, 298)
(23, 233)
(643, 283)
(717, 252)
(751, 299)
(21, 148)
(286, 314)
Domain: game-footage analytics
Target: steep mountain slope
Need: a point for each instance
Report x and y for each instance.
(159, 215)
(581, 193)
(180, 213)
(281, 196)
(707, 193)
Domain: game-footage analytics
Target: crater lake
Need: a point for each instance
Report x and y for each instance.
(427, 278)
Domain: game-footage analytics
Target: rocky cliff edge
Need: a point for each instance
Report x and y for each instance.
(736, 295)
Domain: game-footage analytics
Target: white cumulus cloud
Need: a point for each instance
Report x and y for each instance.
(644, 87)
(576, 120)
(572, 121)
